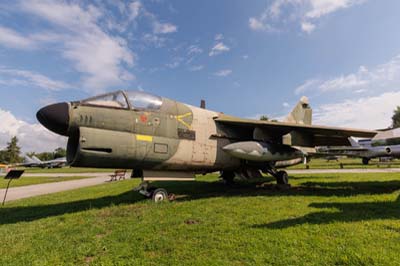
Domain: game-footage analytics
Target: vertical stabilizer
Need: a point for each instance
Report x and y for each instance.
(301, 113)
(353, 142)
(36, 159)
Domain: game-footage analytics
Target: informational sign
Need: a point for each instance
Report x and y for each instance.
(11, 175)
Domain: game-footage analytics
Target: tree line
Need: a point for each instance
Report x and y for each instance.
(12, 153)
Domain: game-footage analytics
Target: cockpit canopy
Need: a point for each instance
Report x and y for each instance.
(136, 100)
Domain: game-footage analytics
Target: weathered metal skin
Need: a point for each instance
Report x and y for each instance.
(175, 137)
(137, 130)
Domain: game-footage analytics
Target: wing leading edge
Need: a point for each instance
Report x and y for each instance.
(306, 135)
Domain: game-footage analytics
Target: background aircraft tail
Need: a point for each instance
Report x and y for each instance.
(353, 142)
(28, 159)
(301, 113)
(36, 159)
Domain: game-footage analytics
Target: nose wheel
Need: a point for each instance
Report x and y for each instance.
(155, 194)
(159, 195)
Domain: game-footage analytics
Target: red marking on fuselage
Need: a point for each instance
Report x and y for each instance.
(143, 118)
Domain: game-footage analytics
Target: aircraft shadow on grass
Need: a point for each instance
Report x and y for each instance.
(199, 190)
(347, 212)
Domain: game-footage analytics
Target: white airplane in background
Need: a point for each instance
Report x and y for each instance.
(36, 162)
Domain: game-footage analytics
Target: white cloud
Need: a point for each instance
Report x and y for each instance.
(194, 49)
(164, 28)
(196, 68)
(258, 25)
(369, 112)
(176, 62)
(98, 55)
(382, 77)
(13, 39)
(218, 49)
(308, 85)
(307, 27)
(223, 73)
(153, 39)
(29, 78)
(159, 27)
(219, 37)
(134, 9)
(281, 13)
(32, 137)
(286, 105)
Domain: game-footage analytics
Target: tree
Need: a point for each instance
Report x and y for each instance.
(396, 118)
(3, 156)
(45, 156)
(59, 153)
(13, 151)
(264, 118)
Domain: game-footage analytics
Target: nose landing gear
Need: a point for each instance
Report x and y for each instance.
(155, 194)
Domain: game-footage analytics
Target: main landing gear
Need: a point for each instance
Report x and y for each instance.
(227, 177)
(365, 161)
(282, 177)
(156, 194)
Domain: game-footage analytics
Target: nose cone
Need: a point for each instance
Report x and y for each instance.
(55, 118)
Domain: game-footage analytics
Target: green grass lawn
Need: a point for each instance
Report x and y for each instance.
(335, 219)
(347, 163)
(33, 180)
(71, 170)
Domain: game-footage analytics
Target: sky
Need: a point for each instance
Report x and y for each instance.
(245, 58)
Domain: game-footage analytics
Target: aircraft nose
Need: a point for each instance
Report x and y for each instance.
(55, 118)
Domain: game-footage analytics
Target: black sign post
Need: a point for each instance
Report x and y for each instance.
(13, 174)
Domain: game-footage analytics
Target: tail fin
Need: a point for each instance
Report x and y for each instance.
(28, 159)
(353, 142)
(301, 113)
(36, 159)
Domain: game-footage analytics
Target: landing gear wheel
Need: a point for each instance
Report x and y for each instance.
(228, 177)
(282, 178)
(365, 161)
(159, 195)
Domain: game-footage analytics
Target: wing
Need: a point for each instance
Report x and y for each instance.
(300, 134)
(341, 149)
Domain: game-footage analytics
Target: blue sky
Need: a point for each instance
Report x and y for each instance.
(246, 58)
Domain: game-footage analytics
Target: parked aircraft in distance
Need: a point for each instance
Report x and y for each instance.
(384, 144)
(162, 139)
(36, 162)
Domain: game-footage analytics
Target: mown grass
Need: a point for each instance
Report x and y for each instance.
(72, 170)
(335, 219)
(346, 163)
(33, 180)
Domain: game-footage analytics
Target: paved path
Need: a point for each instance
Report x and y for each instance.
(66, 174)
(42, 189)
(330, 171)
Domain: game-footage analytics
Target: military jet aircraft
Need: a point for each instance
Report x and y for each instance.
(55, 163)
(36, 162)
(162, 139)
(28, 162)
(384, 144)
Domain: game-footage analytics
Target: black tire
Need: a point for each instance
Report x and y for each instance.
(365, 161)
(228, 177)
(159, 195)
(282, 178)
